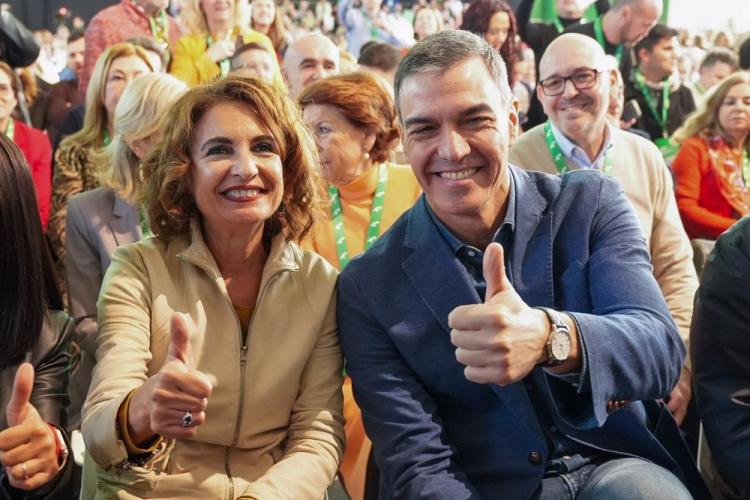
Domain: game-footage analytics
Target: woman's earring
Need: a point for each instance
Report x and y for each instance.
(281, 210)
(367, 156)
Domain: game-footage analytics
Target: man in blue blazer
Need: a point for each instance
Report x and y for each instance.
(506, 338)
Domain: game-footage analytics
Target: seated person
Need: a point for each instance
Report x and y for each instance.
(721, 357)
(35, 358)
(712, 168)
(506, 336)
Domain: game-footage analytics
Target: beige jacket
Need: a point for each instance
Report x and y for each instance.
(274, 425)
(647, 183)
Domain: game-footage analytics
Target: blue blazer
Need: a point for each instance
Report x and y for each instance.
(577, 247)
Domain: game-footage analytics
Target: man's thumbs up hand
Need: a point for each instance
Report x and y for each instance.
(28, 445)
(502, 340)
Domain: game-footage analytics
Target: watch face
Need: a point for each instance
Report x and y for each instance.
(560, 346)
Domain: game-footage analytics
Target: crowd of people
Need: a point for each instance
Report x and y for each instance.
(362, 250)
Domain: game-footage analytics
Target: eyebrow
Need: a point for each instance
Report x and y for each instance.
(215, 140)
(479, 108)
(227, 141)
(573, 72)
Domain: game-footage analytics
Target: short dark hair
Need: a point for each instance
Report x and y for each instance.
(745, 54)
(720, 55)
(76, 35)
(245, 48)
(383, 56)
(658, 33)
(441, 51)
(29, 288)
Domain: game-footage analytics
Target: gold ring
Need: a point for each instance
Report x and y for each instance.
(25, 472)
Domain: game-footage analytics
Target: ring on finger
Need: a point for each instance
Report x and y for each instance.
(24, 470)
(187, 419)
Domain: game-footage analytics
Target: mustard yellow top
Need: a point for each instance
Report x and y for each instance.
(401, 191)
(191, 64)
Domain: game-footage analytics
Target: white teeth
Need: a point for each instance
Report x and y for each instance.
(459, 175)
(238, 194)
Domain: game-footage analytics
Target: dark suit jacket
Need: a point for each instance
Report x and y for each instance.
(577, 247)
(720, 349)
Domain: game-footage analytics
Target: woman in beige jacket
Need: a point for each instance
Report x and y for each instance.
(218, 364)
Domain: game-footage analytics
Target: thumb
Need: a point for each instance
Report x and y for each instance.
(17, 408)
(494, 271)
(179, 342)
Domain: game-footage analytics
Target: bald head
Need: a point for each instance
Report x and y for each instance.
(570, 51)
(576, 79)
(309, 58)
(628, 21)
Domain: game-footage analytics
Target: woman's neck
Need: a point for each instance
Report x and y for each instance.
(737, 139)
(234, 249)
(4, 124)
(219, 28)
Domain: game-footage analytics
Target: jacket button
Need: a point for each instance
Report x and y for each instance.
(535, 458)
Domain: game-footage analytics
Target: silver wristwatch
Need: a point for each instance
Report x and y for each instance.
(558, 342)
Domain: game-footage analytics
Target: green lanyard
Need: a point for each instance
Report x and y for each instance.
(559, 158)
(661, 119)
(10, 130)
(224, 64)
(376, 215)
(160, 29)
(145, 226)
(106, 139)
(599, 34)
(558, 24)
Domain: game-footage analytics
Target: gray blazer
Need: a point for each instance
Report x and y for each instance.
(98, 221)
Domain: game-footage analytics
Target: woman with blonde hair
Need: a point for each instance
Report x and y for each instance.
(427, 20)
(75, 168)
(712, 167)
(219, 368)
(217, 30)
(100, 220)
(266, 18)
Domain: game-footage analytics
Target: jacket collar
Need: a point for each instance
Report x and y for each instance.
(283, 255)
(443, 283)
(125, 220)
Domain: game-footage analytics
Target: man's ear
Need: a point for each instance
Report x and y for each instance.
(513, 122)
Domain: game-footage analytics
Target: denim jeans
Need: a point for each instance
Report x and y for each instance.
(618, 479)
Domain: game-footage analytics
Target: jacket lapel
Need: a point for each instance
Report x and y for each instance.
(436, 274)
(531, 264)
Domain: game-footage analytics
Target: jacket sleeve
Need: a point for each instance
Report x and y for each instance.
(345, 14)
(50, 398)
(191, 64)
(689, 166)
(316, 434)
(721, 355)
(122, 356)
(83, 275)
(19, 48)
(672, 255)
(67, 181)
(41, 169)
(630, 345)
(399, 414)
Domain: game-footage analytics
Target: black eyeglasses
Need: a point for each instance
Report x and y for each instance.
(582, 79)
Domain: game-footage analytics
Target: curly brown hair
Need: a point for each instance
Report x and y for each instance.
(166, 193)
(364, 101)
(477, 20)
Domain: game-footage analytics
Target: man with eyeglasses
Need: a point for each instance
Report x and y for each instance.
(506, 337)
(576, 83)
